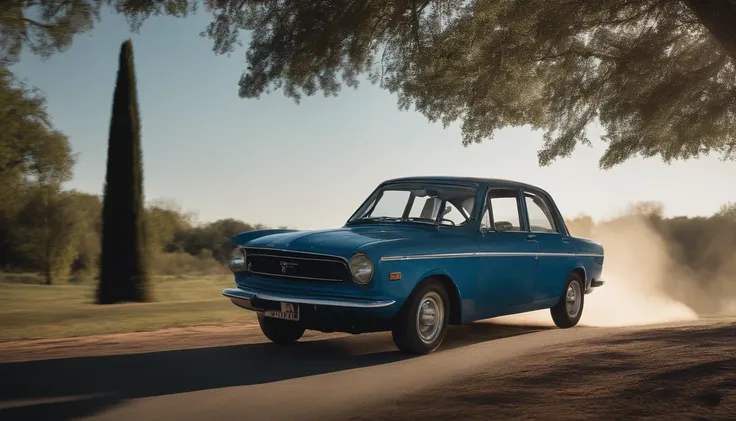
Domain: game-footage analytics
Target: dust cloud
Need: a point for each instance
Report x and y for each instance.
(642, 279)
(638, 270)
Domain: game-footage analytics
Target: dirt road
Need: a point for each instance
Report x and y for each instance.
(686, 372)
(484, 371)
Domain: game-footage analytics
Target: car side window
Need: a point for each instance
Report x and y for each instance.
(503, 210)
(540, 214)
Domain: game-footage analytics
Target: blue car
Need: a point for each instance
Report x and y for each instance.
(421, 253)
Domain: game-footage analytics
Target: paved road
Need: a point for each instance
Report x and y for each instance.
(335, 378)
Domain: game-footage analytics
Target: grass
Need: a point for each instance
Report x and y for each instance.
(32, 311)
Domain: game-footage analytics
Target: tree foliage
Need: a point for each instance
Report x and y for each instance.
(51, 231)
(163, 222)
(728, 211)
(649, 71)
(30, 147)
(215, 237)
(124, 266)
(33, 156)
(46, 27)
(657, 75)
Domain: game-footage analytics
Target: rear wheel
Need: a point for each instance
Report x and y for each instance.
(420, 326)
(282, 332)
(567, 312)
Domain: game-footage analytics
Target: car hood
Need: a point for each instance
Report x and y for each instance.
(342, 241)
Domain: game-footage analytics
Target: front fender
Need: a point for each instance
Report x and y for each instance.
(432, 272)
(413, 272)
(241, 238)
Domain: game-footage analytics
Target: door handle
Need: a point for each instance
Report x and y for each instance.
(531, 237)
(565, 240)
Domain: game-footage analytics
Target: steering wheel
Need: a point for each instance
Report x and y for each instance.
(448, 220)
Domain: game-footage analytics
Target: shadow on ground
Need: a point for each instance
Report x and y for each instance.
(92, 384)
(670, 373)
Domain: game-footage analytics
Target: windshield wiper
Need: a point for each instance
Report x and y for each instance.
(420, 220)
(414, 220)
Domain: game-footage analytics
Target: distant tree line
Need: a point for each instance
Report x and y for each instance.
(57, 233)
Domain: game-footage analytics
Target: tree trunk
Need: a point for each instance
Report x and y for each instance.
(48, 259)
(48, 245)
(719, 17)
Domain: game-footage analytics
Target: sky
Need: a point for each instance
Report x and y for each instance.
(309, 166)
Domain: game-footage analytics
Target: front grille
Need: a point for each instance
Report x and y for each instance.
(295, 265)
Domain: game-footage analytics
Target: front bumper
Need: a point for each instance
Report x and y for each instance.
(594, 283)
(245, 298)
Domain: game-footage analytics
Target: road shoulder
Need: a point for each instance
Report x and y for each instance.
(178, 338)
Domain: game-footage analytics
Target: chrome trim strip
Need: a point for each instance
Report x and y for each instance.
(245, 294)
(428, 256)
(570, 254)
(293, 251)
(281, 275)
(484, 254)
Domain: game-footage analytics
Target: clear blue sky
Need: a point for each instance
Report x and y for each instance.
(309, 166)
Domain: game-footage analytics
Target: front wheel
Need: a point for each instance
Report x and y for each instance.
(567, 312)
(421, 324)
(282, 332)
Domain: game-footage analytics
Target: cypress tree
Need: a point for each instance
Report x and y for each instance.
(123, 268)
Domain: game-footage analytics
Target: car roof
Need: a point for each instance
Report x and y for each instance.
(477, 180)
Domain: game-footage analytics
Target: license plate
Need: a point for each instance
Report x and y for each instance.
(289, 311)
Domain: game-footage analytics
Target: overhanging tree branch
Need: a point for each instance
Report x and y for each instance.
(37, 24)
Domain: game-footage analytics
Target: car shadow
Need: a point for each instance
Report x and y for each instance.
(86, 385)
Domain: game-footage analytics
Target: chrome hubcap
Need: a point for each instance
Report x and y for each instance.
(430, 317)
(573, 299)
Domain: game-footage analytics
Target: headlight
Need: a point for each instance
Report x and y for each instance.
(361, 268)
(237, 259)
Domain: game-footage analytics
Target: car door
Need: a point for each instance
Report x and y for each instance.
(556, 253)
(507, 257)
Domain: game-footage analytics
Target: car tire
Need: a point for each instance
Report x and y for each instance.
(414, 334)
(282, 332)
(567, 312)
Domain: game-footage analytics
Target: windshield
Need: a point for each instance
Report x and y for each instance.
(421, 203)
